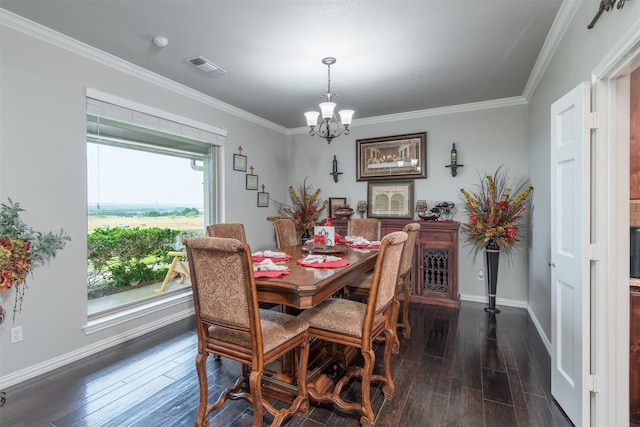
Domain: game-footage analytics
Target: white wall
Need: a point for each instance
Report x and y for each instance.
(576, 57)
(43, 167)
(487, 135)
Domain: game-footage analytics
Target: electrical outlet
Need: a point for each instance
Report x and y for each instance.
(480, 274)
(16, 334)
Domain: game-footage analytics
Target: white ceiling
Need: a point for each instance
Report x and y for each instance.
(392, 56)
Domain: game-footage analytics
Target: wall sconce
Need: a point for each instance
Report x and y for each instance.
(454, 161)
(335, 172)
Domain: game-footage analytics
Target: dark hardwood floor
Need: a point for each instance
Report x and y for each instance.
(457, 369)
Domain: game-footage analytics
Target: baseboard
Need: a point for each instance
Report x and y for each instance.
(499, 301)
(60, 361)
(545, 340)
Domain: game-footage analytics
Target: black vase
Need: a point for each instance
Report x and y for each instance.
(305, 235)
(492, 251)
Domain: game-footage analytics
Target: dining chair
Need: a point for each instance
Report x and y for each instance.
(356, 324)
(286, 233)
(362, 286)
(230, 324)
(229, 230)
(368, 228)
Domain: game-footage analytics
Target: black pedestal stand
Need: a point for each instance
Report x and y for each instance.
(493, 255)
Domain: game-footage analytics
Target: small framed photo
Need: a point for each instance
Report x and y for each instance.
(239, 162)
(335, 203)
(252, 182)
(263, 199)
(391, 199)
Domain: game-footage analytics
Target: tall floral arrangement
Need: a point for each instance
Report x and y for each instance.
(305, 210)
(493, 214)
(22, 249)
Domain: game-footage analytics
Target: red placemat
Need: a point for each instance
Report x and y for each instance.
(271, 273)
(365, 246)
(274, 259)
(329, 264)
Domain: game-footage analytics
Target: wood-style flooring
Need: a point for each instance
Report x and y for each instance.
(457, 369)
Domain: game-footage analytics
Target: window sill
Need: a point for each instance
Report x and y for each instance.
(123, 314)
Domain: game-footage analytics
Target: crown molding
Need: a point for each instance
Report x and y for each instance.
(18, 23)
(558, 28)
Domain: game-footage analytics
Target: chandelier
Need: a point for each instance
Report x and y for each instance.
(328, 129)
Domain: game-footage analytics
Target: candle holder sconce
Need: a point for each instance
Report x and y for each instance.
(454, 161)
(335, 172)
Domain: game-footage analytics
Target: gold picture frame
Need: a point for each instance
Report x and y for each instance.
(389, 157)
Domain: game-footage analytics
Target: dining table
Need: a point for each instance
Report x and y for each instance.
(305, 287)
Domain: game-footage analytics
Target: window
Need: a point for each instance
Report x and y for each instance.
(150, 183)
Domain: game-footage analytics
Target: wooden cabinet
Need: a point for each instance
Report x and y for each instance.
(434, 279)
(634, 356)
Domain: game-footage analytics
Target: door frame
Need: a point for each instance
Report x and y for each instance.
(610, 323)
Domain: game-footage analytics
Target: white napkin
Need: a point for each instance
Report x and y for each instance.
(319, 259)
(269, 254)
(357, 240)
(268, 265)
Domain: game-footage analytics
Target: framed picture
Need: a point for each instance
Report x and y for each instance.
(252, 182)
(400, 156)
(335, 203)
(239, 162)
(263, 199)
(390, 199)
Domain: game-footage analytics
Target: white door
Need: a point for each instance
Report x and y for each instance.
(570, 219)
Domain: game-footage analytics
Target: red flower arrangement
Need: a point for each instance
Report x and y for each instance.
(22, 249)
(306, 210)
(493, 215)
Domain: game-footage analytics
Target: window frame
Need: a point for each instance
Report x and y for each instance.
(213, 173)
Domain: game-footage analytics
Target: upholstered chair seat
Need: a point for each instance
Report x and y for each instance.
(230, 324)
(276, 329)
(356, 324)
(341, 316)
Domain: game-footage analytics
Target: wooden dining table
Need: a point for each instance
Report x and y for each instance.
(306, 287)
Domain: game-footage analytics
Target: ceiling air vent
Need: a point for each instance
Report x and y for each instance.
(205, 65)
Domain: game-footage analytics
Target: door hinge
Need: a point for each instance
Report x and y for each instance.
(591, 383)
(594, 252)
(592, 120)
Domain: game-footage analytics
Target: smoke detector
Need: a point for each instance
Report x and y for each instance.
(205, 65)
(160, 41)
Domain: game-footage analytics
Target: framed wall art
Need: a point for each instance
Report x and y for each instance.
(390, 199)
(263, 199)
(252, 182)
(334, 203)
(239, 162)
(389, 157)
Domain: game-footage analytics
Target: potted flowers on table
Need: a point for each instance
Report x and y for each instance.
(495, 221)
(305, 211)
(21, 250)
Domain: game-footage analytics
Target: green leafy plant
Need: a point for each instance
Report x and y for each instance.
(124, 255)
(22, 249)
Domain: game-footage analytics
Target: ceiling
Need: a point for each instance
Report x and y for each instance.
(392, 56)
